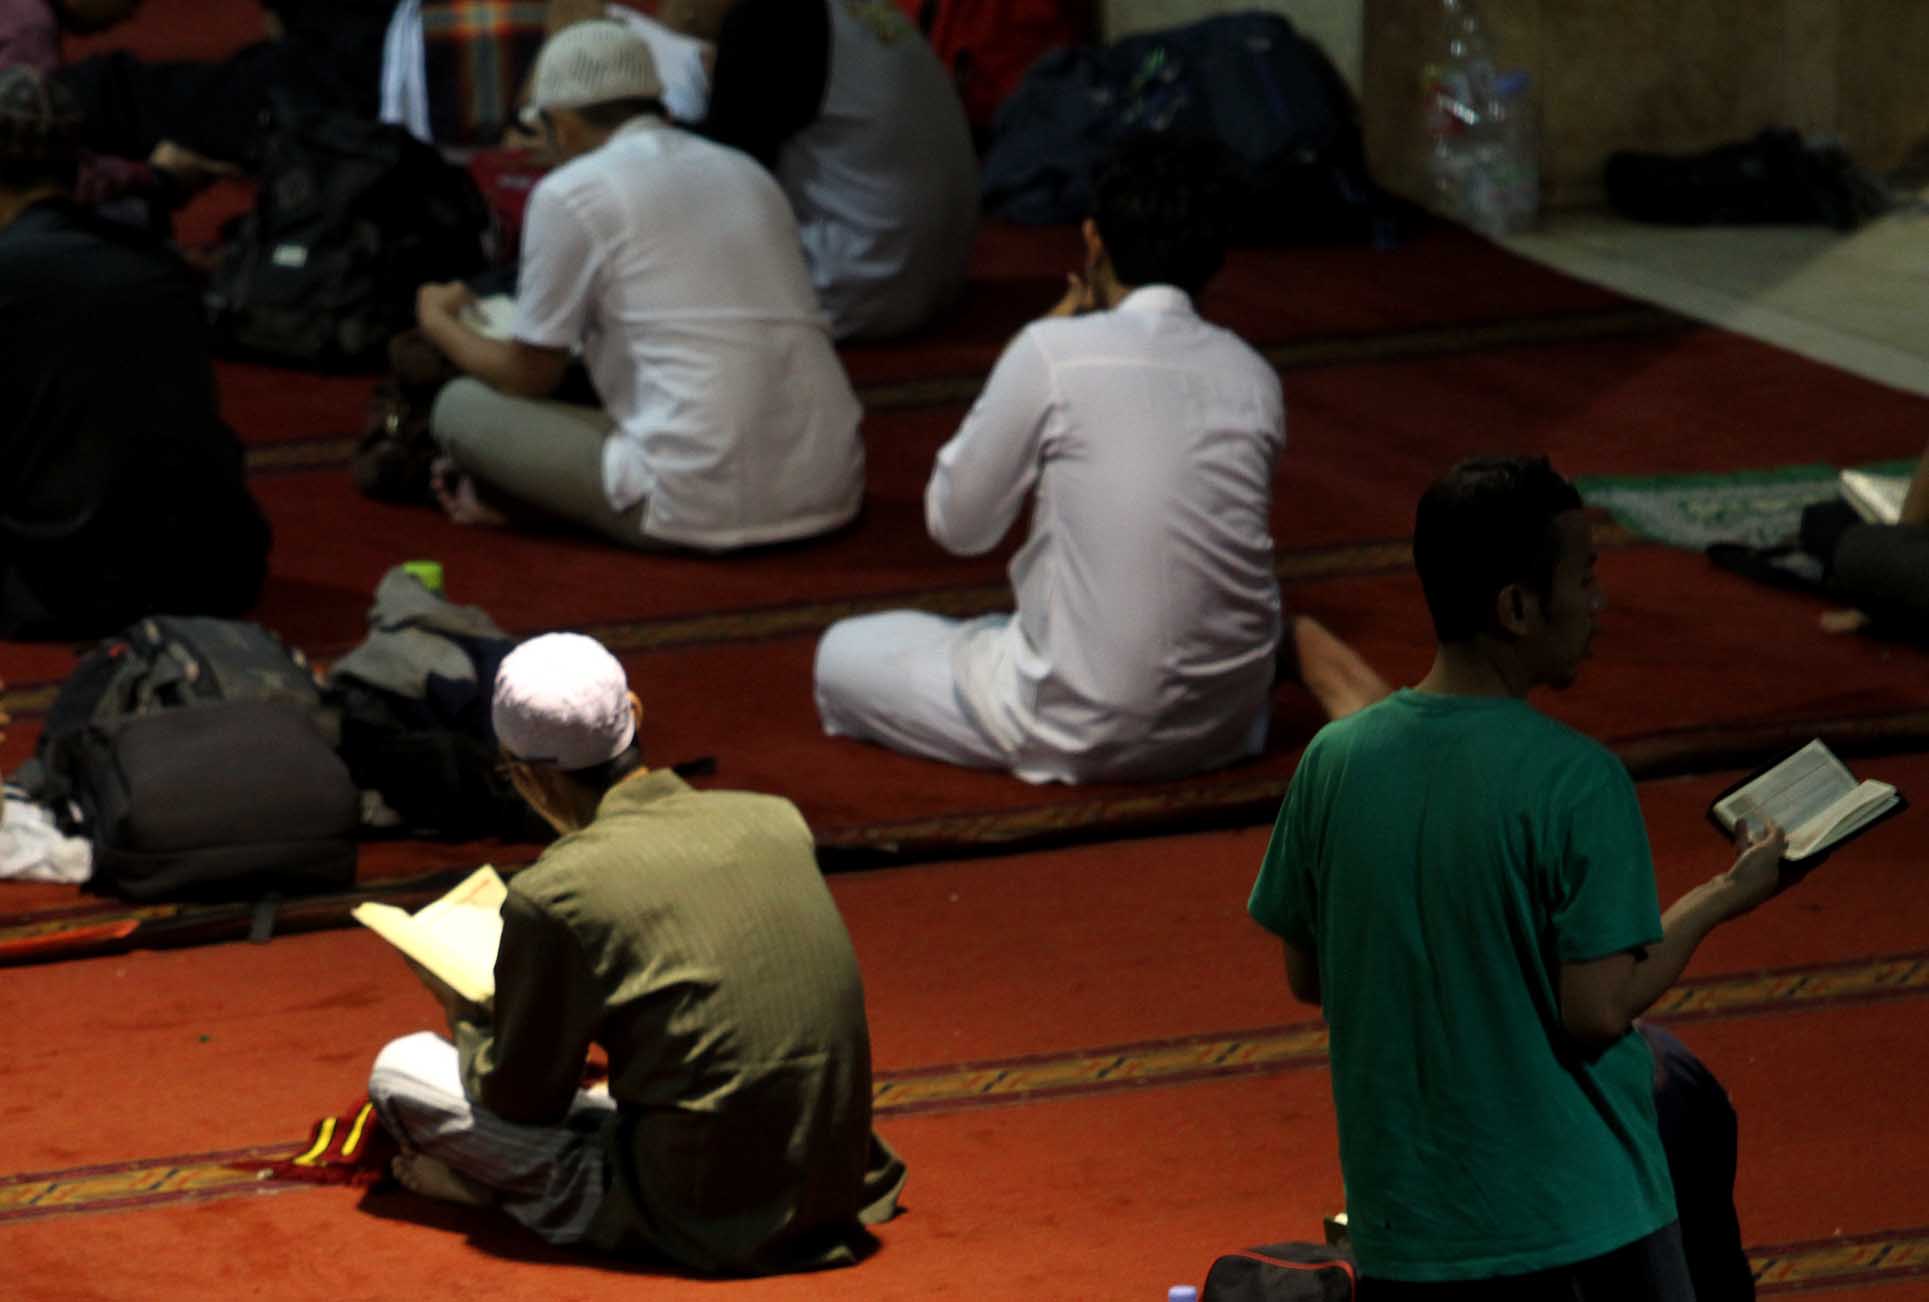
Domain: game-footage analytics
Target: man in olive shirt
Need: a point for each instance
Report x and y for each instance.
(1465, 887)
(689, 934)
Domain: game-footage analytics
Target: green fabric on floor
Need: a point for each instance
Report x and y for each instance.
(1760, 508)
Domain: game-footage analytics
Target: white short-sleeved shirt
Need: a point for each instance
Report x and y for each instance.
(1148, 607)
(674, 263)
(885, 179)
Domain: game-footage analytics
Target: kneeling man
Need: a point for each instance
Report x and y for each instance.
(690, 935)
(674, 265)
(1145, 643)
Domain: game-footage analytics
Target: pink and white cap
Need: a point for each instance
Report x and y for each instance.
(563, 699)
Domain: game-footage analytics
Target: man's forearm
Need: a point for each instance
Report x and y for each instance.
(493, 361)
(1683, 927)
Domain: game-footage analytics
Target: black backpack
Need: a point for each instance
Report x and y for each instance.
(1282, 1272)
(197, 756)
(1270, 99)
(350, 218)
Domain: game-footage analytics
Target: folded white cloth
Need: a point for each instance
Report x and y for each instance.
(33, 850)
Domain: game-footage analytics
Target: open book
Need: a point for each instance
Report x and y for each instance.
(1812, 797)
(492, 316)
(1876, 498)
(455, 937)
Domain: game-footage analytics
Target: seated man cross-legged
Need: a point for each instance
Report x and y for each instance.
(674, 265)
(691, 935)
(1146, 639)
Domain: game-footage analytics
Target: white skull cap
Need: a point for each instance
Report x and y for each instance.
(594, 62)
(563, 699)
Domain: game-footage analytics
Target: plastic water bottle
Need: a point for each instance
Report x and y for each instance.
(1483, 155)
(1182, 1293)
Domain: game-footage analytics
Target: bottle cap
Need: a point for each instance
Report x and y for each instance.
(1182, 1293)
(428, 573)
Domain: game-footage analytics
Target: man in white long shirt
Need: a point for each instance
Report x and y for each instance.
(1146, 639)
(674, 264)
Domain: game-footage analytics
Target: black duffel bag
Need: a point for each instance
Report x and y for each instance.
(228, 800)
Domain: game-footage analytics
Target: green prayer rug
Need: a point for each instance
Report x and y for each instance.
(1758, 508)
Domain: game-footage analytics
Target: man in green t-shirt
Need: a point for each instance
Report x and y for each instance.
(1465, 887)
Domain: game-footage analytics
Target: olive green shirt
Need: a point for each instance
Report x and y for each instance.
(691, 935)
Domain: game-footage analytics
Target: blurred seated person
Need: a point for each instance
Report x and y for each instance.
(319, 55)
(121, 491)
(1881, 570)
(1149, 631)
(674, 265)
(142, 192)
(852, 112)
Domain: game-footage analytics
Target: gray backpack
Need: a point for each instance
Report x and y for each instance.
(196, 754)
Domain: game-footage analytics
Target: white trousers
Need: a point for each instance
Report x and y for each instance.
(887, 678)
(550, 1178)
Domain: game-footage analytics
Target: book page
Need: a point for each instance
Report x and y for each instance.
(455, 937)
(1792, 793)
(1851, 811)
(491, 317)
(1876, 498)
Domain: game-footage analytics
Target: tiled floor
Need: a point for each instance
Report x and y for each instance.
(1859, 301)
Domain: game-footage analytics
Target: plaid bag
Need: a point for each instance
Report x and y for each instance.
(477, 53)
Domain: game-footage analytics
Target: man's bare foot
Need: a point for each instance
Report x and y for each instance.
(422, 1174)
(1843, 621)
(460, 502)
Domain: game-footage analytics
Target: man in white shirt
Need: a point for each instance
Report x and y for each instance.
(847, 105)
(1148, 625)
(673, 264)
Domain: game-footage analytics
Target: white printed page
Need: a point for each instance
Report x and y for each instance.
(1799, 789)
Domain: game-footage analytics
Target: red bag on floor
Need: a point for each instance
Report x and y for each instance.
(505, 177)
(989, 44)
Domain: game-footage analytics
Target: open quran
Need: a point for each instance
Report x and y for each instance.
(1812, 797)
(455, 938)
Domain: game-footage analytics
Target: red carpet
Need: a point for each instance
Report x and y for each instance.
(1118, 1192)
(1075, 1182)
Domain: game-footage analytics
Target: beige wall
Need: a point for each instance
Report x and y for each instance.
(1668, 76)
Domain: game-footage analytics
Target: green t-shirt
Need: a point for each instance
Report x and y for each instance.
(1442, 856)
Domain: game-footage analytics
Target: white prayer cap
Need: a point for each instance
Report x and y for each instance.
(594, 62)
(563, 699)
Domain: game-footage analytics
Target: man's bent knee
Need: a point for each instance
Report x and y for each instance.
(461, 414)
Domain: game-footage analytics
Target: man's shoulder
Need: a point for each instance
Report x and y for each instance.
(1099, 335)
(1504, 726)
(56, 248)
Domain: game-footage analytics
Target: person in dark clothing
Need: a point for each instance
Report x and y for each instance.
(1700, 1135)
(318, 55)
(1881, 570)
(121, 491)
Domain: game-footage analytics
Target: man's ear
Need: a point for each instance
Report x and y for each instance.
(636, 713)
(1516, 609)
